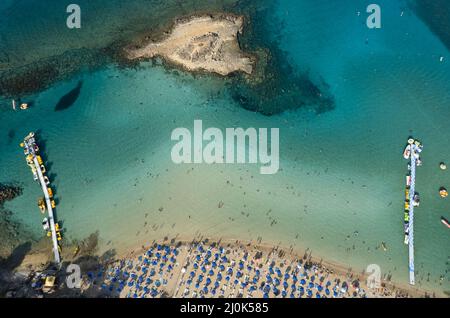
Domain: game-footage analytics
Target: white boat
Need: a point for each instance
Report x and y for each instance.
(407, 152)
(406, 239)
(14, 104)
(408, 181)
(45, 224)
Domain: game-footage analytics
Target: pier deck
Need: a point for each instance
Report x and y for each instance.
(30, 146)
(411, 215)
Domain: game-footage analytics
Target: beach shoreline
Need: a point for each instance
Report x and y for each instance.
(36, 261)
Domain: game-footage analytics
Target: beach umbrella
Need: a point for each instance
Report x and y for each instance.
(216, 256)
(216, 284)
(310, 285)
(135, 295)
(157, 283)
(309, 293)
(205, 290)
(214, 264)
(213, 292)
(285, 285)
(236, 282)
(175, 251)
(327, 291)
(224, 259)
(227, 278)
(130, 284)
(222, 268)
(269, 279)
(192, 274)
(335, 294)
(200, 278)
(276, 281)
(317, 295)
(148, 281)
(152, 272)
(203, 269)
(257, 272)
(313, 278)
(255, 280)
(173, 259)
(283, 294)
(140, 258)
(293, 287)
(211, 272)
(243, 284)
(170, 267)
(266, 288)
(238, 274)
(271, 271)
(162, 265)
(276, 291)
(154, 263)
(159, 247)
(230, 271)
(292, 295)
(219, 276)
(195, 266)
(294, 279)
(319, 288)
(148, 253)
(241, 265)
(252, 288)
(154, 293)
(286, 276)
(266, 295)
(208, 281)
(188, 282)
(198, 258)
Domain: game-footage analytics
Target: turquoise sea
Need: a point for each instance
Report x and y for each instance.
(340, 189)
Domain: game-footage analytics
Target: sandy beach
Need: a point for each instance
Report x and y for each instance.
(201, 43)
(220, 269)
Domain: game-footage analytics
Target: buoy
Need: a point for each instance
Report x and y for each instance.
(443, 192)
(443, 166)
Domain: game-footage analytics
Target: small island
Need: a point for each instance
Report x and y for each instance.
(201, 43)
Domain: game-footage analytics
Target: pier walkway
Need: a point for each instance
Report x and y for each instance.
(30, 147)
(411, 215)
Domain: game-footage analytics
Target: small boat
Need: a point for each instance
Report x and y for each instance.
(443, 192)
(53, 204)
(41, 205)
(50, 192)
(443, 166)
(406, 241)
(14, 104)
(416, 199)
(45, 224)
(24, 106)
(408, 181)
(407, 152)
(383, 246)
(46, 180)
(407, 194)
(445, 222)
(76, 250)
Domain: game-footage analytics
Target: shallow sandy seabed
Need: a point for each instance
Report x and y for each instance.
(202, 43)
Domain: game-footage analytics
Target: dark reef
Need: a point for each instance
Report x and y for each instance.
(278, 85)
(70, 98)
(436, 15)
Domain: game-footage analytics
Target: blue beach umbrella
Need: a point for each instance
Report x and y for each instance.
(216, 284)
(283, 294)
(327, 291)
(219, 276)
(227, 278)
(310, 285)
(211, 272)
